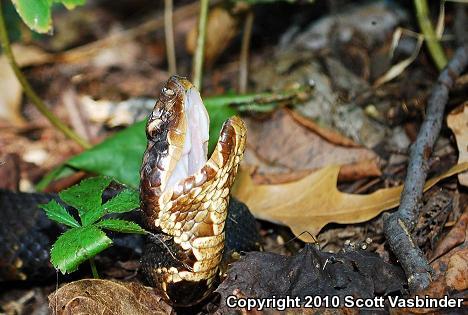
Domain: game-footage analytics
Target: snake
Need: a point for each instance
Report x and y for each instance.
(195, 227)
(184, 195)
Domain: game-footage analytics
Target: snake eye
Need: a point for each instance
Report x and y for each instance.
(168, 92)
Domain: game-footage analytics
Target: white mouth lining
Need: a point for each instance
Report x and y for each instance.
(195, 151)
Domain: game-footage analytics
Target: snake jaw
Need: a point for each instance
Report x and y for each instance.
(184, 196)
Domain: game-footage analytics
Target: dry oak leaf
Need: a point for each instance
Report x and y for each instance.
(457, 120)
(96, 296)
(307, 205)
(455, 237)
(286, 145)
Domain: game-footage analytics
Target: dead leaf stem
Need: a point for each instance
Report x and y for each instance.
(399, 225)
(36, 100)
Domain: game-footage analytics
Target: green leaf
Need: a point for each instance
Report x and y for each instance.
(119, 156)
(125, 201)
(71, 4)
(35, 13)
(76, 246)
(121, 226)
(219, 112)
(86, 197)
(58, 213)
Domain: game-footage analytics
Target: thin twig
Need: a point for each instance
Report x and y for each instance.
(36, 100)
(169, 35)
(399, 225)
(432, 43)
(244, 56)
(200, 51)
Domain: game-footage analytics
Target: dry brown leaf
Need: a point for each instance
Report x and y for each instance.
(286, 143)
(455, 237)
(328, 134)
(310, 203)
(457, 120)
(221, 28)
(348, 172)
(95, 296)
(457, 273)
(10, 89)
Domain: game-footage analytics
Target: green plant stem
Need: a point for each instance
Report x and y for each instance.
(244, 55)
(169, 35)
(432, 43)
(200, 50)
(36, 100)
(93, 268)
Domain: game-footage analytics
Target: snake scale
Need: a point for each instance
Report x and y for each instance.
(185, 203)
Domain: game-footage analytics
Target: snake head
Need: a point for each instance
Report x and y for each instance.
(185, 196)
(177, 132)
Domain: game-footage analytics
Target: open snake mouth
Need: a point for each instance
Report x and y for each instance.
(178, 129)
(185, 196)
(188, 134)
(195, 147)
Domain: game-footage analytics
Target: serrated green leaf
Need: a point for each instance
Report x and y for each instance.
(86, 197)
(121, 226)
(125, 201)
(35, 13)
(58, 213)
(92, 216)
(76, 246)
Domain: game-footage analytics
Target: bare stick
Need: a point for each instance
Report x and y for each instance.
(169, 35)
(244, 56)
(432, 43)
(35, 99)
(200, 51)
(399, 225)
